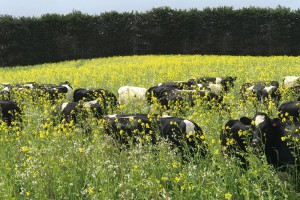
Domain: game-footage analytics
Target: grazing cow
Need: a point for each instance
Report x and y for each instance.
(281, 140)
(180, 85)
(169, 94)
(290, 110)
(158, 92)
(21, 86)
(262, 91)
(130, 93)
(178, 131)
(4, 93)
(179, 97)
(9, 111)
(7, 88)
(55, 90)
(235, 137)
(71, 110)
(226, 82)
(291, 81)
(107, 98)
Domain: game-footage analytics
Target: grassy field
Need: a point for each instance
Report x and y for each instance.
(44, 160)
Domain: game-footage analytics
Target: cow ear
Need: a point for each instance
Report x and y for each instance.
(245, 120)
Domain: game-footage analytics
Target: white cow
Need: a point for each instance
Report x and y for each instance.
(131, 93)
(291, 81)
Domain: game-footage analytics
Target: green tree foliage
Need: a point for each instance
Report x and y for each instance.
(222, 31)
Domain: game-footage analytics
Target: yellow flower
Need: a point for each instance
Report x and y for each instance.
(91, 190)
(24, 149)
(81, 150)
(175, 164)
(177, 179)
(228, 195)
(283, 138)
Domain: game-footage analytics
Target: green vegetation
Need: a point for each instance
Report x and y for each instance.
(43, 159)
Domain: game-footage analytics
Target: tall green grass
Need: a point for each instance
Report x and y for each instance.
(44, 159)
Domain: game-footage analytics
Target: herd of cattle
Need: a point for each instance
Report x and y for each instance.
(278, 137)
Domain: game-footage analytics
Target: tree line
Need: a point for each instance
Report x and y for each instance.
(221, 31)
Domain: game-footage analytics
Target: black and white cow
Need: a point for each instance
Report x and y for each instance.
(235, 137)
(261, 91)
(180, 97)
(54, 91)
(169, 94)
(9, 111)
(180, 85)
(281, 140)
(107, 98)
(71, 110)
(157, 92)
(290, 110)
(7, 89)
(226, 82)
(180, 132)
(129, 94)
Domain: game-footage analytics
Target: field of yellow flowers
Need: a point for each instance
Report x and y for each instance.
(42, 159)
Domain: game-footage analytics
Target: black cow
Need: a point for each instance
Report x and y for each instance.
(71, 110)
(262, 91)
(9, 111)
(226, 82)
(235, 137)
(107, 98)
(178, 131)
(289, 110)
(281, 140)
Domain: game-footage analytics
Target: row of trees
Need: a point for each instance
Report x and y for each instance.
(53, 37)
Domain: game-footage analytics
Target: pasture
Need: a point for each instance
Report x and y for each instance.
(42, 159)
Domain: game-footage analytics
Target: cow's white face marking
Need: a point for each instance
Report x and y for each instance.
(69, 93)
(218, 80)
(189, 126)
(68, 87)
(270, 89)
(112, 116)
(259, 119)
(159, 84)
(63, 106)
(90, 103)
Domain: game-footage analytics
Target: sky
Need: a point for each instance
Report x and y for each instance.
(36, 8)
